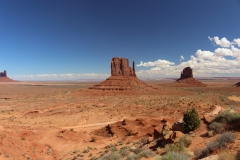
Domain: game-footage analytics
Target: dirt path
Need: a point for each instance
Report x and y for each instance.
(89, 125)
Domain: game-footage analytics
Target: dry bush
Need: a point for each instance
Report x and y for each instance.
(226, 156)
(220, 143)
(216, 127)
(226, 117)
(186, 139)
(176, 147)
(201, 153)
(175, 156)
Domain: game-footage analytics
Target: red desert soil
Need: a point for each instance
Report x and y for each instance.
(50, 120)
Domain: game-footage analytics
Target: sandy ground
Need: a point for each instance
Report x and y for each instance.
(58, 120)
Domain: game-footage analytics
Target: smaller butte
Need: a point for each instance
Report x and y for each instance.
(186, 79)
(4, 77)
(237, 84)
(123, 78)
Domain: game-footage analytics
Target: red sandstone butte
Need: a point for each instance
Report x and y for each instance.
(186, 79)
(123, 78)
(186, 73)
(120, 67)
(4, 77)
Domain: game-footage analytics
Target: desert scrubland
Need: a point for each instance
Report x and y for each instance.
(66, 120)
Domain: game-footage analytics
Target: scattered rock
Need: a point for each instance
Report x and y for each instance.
(157, 132)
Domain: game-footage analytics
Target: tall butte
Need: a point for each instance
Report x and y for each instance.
(186, 79)
(120, 67)
(123, 78)
(4, 77)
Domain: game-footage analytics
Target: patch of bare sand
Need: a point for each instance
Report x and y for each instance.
(234, 98)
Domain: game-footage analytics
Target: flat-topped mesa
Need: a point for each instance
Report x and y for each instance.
(186, 73)
(120, 67)
(3, 74)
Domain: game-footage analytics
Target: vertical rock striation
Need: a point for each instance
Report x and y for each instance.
(120, 67)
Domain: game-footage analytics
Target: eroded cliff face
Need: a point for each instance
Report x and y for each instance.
(120, 67)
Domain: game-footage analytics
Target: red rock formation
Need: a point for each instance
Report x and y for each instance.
(3, 74)
(120, 67)
(4, 77)
(186, 73)
(237, 84)
(123, 78)
(187, 79)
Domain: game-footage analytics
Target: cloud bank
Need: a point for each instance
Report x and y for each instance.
(223, 61)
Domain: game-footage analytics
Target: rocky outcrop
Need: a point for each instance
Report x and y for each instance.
(186, 73)
(120, 67)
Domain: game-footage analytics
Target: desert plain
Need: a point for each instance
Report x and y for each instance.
(67, 120)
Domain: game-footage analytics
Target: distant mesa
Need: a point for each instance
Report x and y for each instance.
(3, 74)
(123, 77)
(4, 77)
(186, 79)
(186, 73)
(237, 84)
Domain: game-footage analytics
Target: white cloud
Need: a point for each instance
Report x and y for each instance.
(220, 42)
(156, 63)
(59, 77)
(181, 58)
(237, 41)
(220, 62)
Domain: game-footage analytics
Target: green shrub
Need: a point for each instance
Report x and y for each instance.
(175, 156)
(176, 147)
(186, 139)
(191, 120)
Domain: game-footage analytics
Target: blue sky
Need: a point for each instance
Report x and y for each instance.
(60, 40)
